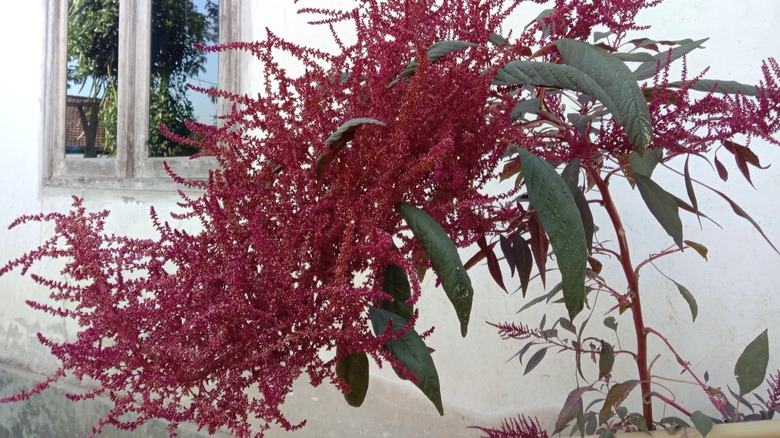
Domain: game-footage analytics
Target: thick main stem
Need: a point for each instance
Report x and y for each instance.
(633, 291)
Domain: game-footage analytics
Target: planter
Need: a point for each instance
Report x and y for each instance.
(748, 429)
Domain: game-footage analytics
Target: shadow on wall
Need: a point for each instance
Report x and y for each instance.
(50, 414)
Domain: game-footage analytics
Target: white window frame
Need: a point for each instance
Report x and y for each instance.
(131, 167)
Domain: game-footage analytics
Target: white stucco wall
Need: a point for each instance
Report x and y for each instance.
(736, 289)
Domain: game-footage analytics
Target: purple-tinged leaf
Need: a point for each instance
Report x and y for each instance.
(492, 262)
(567, 325)
(543, 321)
(539, 246)
(741, 399)
(706, 376)
(741, 213)
(509, 255)
(722, 172)
(535, 360)
(519, 355)
(615, 396)
(524, 261)
(571, 407)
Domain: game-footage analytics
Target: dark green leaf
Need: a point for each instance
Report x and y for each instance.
(610, 322)
(412, 352)
(615, 396)
(592, 71)
(345, 132)
(639, 422)
(634, 57)
(525, 106)
(662, 205)
(689, 299)
(648, 69)
(689, 186)
(629, 104)
(724, 87)
(606, 359)
(444, 48)
(444, 259)
(396, 284)
(600, 35)
(353, 369)
(645, 164)
(567, 325)
(558, 213)
(702, 423)
(750, 369)
(496, 39)
(607, 434)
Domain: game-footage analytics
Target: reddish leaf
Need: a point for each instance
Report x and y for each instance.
(615, 397)
(524, 261)
(570, 408)
(492, 262)
(741, 213)
(539, 246)
(743, 156)
(509, 256)
(722, 172)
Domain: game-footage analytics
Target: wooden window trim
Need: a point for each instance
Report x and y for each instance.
(131, 168)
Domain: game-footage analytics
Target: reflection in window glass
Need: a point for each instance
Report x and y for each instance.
(176, 26)
(93, 43)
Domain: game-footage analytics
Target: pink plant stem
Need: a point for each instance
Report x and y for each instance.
(671, 402)
(633, 291)
(714, 400)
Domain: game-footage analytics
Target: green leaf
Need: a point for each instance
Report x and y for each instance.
(723, 87)
(595, 72)
(662, 205)
(396, 284)
(674, 423)
(648, 69)
(346, 132)
(634, 57)
(698, 247)
(353, 369)
(689, 299)
(570, 174)
(444, 259)
(702, 423)
(645, 164)
(610, 322)
(638, 420)
(444, 48)
(412, 352)
(615, 396)
(606, 359)
(750, 369)
(630, 107)
(558, 213)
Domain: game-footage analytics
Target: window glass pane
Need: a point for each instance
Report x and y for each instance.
(93, 43)
(176, 26)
